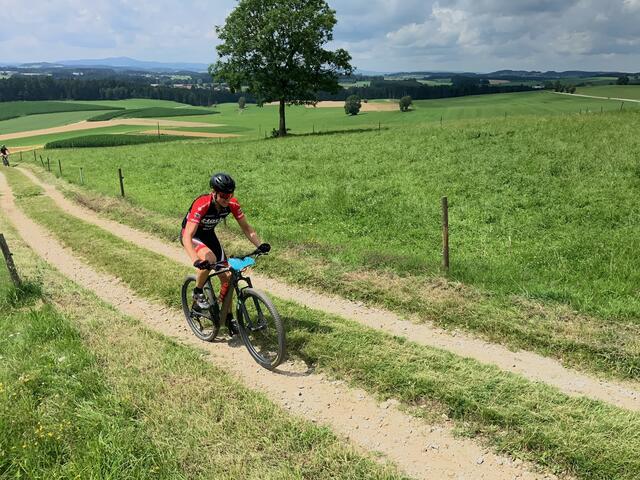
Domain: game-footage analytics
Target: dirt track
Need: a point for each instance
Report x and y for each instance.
(531, 365)
(84, 125)
(421, 450)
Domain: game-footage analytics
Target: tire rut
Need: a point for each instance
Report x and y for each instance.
(420, 450)
(531, 365)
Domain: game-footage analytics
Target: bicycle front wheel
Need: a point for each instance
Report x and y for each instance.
(204, 323)
(261, 328)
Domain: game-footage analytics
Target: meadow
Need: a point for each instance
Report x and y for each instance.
(613, 91)
(532, 208)
(258, 122)
(524, 418)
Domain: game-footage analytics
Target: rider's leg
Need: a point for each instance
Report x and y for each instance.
(204, 253)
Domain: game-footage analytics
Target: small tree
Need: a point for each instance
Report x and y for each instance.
(241, 103)
(623, 80)
(352, 105)
(405, 103)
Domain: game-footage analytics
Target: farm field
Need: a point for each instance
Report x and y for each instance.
(134, 103)
(43, 139)
(19, 109)
(517, 416)
(44, 120)
(614, 91)
(523, 192)
(257, 122)
(304, 120)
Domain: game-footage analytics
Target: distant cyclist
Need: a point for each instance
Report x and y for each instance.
(198, 232)
(4, 151)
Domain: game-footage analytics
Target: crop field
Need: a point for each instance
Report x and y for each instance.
(44, 120)
(151, 112)
(133, 103)
(43, 139)
(19, 109)
(614, 91)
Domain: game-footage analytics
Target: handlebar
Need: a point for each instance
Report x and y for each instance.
(223, 266)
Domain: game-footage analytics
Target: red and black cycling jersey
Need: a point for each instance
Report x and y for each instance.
(204, 213)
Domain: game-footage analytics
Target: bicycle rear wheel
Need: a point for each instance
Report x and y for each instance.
(261, 328)
(205, 324)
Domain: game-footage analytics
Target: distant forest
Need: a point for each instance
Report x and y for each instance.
(18, 87)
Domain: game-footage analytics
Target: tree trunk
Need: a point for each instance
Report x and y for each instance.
(283, 127)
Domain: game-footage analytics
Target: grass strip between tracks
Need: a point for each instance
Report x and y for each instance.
(86, 392)
(584, 437)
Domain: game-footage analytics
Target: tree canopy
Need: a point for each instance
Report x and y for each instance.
(276, 48)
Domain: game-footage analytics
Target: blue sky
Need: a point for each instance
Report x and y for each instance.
(390, 35)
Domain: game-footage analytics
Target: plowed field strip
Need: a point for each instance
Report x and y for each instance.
(421, 450)
(531, 365)
(84, 125)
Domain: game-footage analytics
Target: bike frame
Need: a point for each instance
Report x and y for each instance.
(234, 287)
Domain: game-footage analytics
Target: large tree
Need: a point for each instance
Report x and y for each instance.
(276, 48)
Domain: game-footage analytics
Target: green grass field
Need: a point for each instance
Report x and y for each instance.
(257, 122)
(532, 209)
(614, 91)
(523, 418)
(304, 120)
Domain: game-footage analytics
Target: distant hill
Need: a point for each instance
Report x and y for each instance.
(117, 63)
(131, 63)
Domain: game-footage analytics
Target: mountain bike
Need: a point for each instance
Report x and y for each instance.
(5, 160)
(256, 319)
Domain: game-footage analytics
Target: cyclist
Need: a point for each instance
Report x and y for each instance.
(200, 241)
(4, 151)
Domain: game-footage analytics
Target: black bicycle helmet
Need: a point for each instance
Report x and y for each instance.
(222, 182)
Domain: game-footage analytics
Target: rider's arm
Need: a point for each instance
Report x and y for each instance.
(189, 232)
(249, 232)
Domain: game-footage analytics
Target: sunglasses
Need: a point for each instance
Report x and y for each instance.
(225, 196)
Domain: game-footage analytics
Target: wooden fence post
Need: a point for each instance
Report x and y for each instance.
(20, 157)
(60, 167)
(81, 177)
(34, 156)
(121, 181)
(445, 234)
(13, 273)
(48, 164)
